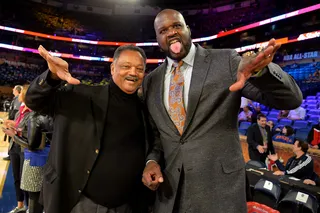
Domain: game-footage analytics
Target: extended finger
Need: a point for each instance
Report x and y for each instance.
(44, 53)
(239, 84)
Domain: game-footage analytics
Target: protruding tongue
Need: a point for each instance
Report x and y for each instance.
(176, 47)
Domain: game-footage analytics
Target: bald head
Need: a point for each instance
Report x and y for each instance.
(170, 27)
(168, 12)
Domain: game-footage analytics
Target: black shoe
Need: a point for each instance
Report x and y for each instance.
(6, 158)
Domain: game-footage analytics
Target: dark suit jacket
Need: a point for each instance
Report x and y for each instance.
(209, 149)
(254, 138)
(79, 117)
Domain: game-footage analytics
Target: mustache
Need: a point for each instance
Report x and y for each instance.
(132, 78)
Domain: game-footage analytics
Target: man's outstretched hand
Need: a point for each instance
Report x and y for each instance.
(58, 67)
(249, 65)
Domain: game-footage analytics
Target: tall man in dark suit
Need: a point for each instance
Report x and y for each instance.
(193, 99)
(99, 141)
(259, 138)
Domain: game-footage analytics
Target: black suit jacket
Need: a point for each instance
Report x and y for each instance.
(254, 138)
(79, 116)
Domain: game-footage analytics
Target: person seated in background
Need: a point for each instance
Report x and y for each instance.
(299, 166)
(314, 136)
(283, 114)
(245, 115)
(297, 114)
(286, 135)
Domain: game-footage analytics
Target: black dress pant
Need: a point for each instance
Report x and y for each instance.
(34, 205)
(17, 158)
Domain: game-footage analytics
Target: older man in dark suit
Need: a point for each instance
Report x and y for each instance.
(99, 140)
(193, 98)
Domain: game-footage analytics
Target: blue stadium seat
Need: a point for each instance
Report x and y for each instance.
(243, 127)
(314, 118)
(302, 134)
(311, 101)
(273, 114)
(274, 120)
(304, 106)
(263, 107)
(311, 106)
(265, 112)
(290, 203)
(314, 112)
(311, 97)
(285, 122)
(300, 124)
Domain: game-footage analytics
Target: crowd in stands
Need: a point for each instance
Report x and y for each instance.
(286, 126)
(67, 23)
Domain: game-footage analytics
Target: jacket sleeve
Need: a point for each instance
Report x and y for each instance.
(23, 142)
(42, 94)
(34, 134)
(280, 166)
(274, 87)
(302, 169)
(48, 97)
(250, 137)
(155, 151)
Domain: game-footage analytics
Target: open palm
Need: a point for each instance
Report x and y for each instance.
(57, 66)
(249, 65)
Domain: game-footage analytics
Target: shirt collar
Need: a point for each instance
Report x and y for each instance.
(189, 59)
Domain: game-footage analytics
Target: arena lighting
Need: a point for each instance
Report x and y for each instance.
(301, 37)
(145, 44)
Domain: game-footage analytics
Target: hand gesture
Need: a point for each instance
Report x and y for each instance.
(58, 67)
(260, 149)
(273, 157)
(278, 173)
(152, 176)
(250, 64)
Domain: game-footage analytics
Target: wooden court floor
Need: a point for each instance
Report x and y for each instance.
(4, 165)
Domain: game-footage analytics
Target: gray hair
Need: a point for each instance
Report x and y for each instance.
(131, 47)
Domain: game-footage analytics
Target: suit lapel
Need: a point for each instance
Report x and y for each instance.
(159, 97)
(199, 73)
(99, 104)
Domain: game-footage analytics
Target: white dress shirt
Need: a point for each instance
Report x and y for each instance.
(186, 69)
(297, 114)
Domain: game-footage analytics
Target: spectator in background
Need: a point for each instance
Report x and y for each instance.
(313, 136)
(15, 151)
(259, 140)
(14, 108)
(245, 115)
(297, 114)
(15, 104)
(283, 114)
(245, 102)
(256, 112)
(286, 136)
(299, 166)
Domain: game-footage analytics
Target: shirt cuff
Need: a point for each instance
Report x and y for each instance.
(150, 161)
